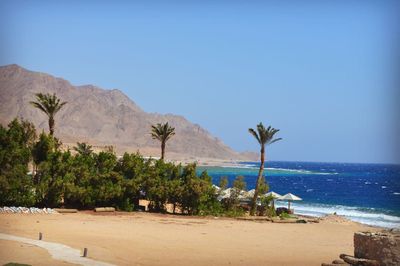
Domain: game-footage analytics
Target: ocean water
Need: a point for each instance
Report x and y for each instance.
(366, 193)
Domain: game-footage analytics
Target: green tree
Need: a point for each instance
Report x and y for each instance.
(208, 202)
(53, 176)
(95, 181)
(43, 147)
(83, 148)
(29, 133)
(175, 193)
(79, 189)
(50, 105)
(231, 203)
(133, 168)
(16, 186)
(264, 136)
(223, 183)
(156, 185)
(239, 185)
(162, 132)
(107, 183)
(46, 145)
(198, 194)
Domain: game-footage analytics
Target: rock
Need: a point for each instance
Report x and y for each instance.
(336, 263)
(383, 247)
(66, 210)
(358, 261)
(105, 209)
(286, 221)
(339, 262)
(25, 210)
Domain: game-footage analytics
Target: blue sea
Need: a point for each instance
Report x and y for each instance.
(366, 193)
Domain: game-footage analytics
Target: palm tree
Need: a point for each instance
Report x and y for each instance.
(50, 105)
(264, 136)
(83, 148)
(162, 132)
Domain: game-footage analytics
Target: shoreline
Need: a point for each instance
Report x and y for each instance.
(373, 216)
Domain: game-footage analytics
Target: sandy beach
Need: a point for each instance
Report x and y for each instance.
(156, 239)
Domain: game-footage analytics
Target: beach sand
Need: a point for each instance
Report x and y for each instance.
(157, 239)
(11, 251)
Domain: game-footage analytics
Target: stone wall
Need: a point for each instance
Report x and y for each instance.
(383, 247)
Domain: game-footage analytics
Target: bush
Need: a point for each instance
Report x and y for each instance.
(86, 179)
(285, 215)
(266, 208)
(16, 185)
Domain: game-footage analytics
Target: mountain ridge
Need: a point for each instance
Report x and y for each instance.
(103, 117)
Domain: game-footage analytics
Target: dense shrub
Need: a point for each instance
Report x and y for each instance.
(84, 179)
(16, 185)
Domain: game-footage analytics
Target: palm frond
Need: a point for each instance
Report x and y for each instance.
(162, 132)
(274, 140)
(264, 136)
(50, 104)
(40, 107)
(254, 133)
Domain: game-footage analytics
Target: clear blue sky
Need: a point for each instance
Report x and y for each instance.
(321, 71)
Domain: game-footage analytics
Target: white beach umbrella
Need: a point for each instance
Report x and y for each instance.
(242, 195)
(274, 196)
(227, 193)
(217, 188)
(250, 193)
(289, 197)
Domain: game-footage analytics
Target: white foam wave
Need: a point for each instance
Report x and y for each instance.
(255, 167)
(289, 170)
(301, 171)
(353, 213)
(244, 166)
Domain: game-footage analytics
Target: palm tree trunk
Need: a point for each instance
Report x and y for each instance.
(162, 150)
(34, 174)
(51, 125)
(260, 172)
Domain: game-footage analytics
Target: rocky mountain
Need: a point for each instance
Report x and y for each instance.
(103, 117)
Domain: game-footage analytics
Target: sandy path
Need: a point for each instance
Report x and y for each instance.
(57, 251)
(151, 239)
(11, 251)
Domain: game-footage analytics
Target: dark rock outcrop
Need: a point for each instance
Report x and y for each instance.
(358, 261)
(383, 247)
(373, 249)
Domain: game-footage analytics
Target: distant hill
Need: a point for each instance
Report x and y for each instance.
(103, 117)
